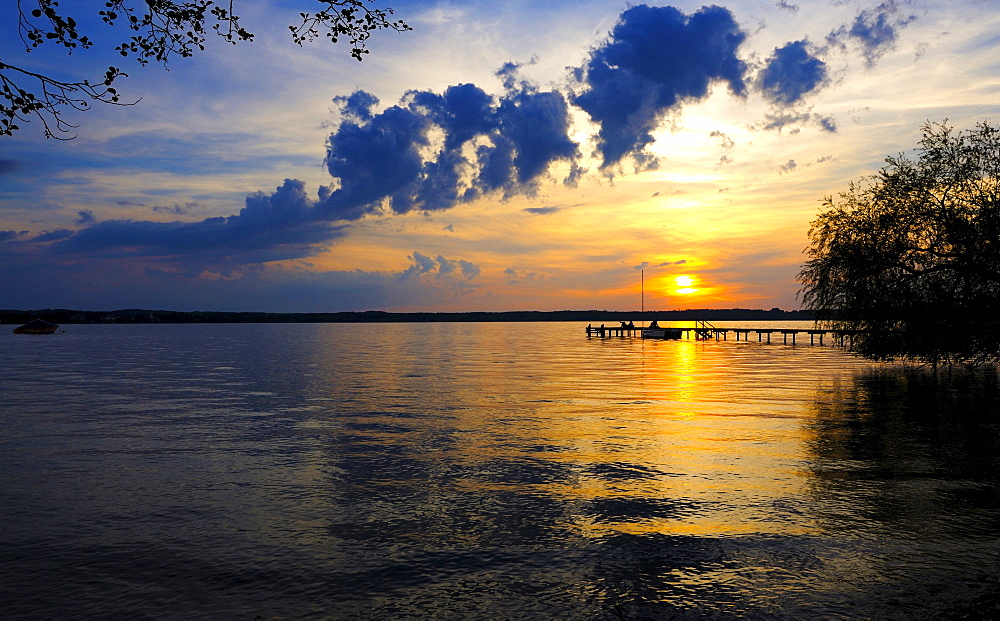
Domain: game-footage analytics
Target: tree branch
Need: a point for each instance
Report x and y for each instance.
(20, 105)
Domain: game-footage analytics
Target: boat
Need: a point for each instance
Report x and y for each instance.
(36, 326)
(654, 331)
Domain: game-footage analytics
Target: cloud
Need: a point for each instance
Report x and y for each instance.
(85, 216)
(469, 270)
(791, 73)
(655, 60)
(7, 235)
(358, 105)
(515, 277)
(534, 128)
(270, 227)
(278, 288)
(52, 236)
(875, 30)
(789, 166)
(175, 209)
(434, 151)
(724, 140)
(780, 120)
(8, 166)
(542, 211)
(787, 6)
(645, 265)
(440, 266)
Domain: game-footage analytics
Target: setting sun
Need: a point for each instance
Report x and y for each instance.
(685, 285)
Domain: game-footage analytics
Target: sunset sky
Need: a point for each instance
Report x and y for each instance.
(500, 156)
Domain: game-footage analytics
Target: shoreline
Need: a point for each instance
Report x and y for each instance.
(66, 316)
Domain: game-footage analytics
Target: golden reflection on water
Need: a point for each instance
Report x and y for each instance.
(637, 437)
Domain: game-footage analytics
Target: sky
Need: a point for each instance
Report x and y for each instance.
(570, 154)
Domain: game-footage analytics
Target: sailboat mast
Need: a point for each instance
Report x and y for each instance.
(642, 303)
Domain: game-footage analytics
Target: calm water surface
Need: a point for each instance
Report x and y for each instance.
(456, 471)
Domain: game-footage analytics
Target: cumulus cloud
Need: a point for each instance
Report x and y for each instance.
(433, 151)
(85, 216)
(792, 72)
(656, 59)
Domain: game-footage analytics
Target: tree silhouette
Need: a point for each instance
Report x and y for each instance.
(911, 256)
(157, 30)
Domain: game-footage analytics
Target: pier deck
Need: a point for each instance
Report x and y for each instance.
(703, 331)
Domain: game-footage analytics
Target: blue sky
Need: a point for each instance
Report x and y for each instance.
(499, 156)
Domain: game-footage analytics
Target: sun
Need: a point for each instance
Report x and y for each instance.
(684, 285)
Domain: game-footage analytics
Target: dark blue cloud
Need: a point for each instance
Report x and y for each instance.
(434, 151)
(283, 225)
(8, 166)
(656, 59)
(7, 235)
(537, 125)
(85, 216)
(791, 73)
(876, 30)
(533, 132)
(464, 111)
(376, 160)
(357, 105)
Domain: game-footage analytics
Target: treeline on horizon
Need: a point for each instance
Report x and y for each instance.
(65, 316)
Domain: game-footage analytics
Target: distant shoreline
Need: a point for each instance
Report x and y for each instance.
(65, 316)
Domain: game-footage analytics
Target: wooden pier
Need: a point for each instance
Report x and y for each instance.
(704, 331)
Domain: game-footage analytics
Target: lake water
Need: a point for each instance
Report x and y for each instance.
(466, 470)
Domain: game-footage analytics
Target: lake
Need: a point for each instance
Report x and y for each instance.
(487, 470)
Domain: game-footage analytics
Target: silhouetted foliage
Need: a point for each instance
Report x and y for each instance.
(911, 255)
(160, 30)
